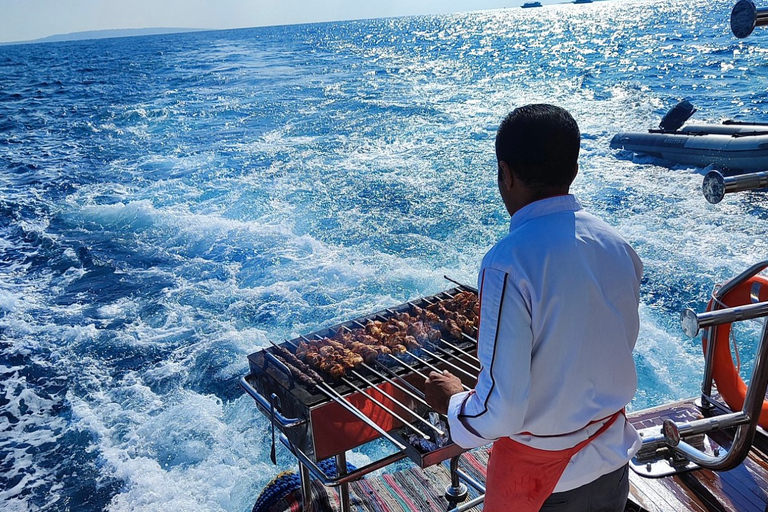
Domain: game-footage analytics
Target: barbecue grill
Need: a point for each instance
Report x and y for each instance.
(381, 398)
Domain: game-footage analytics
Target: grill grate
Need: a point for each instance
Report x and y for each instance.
(379, 397)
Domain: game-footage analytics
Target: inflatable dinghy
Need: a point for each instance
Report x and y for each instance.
(733, 146)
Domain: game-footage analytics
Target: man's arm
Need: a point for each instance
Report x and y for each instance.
(497, 406)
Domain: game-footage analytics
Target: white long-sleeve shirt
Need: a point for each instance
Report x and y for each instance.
(558, 322)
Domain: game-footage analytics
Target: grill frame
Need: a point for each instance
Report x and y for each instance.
(316, 427)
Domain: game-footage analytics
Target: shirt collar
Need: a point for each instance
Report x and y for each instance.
(547, 206)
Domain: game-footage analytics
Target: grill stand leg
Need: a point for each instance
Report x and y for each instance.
(457, 491)
(306, 488)
(341, 468)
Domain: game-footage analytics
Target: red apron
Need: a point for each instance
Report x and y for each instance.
(521, 478)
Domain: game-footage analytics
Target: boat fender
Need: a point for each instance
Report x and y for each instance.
(677, 116)
(287, 482)
(729, 383)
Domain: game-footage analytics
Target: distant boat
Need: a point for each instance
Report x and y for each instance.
(527, 5)
(582, 1)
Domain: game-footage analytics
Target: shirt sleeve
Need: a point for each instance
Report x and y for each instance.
(497, 406)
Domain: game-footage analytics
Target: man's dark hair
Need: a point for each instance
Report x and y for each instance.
(540, 143)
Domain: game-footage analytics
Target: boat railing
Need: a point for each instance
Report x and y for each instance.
(674, 435)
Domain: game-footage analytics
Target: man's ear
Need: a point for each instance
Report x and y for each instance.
(506, 177)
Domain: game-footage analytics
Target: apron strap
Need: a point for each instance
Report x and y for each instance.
(611, 420)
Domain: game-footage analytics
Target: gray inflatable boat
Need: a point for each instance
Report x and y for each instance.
(733, 146)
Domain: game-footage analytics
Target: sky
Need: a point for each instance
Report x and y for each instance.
(26, 20)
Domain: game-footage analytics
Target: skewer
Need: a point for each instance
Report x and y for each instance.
(415, 395)
(435, 356)
(416, 392)
(466, 287)
(406, 387)
(361, 377)
(435, 368)
(385, 408)
(381, 405)
(461, 350)
(413, 413)
(387, 319)
(406, 365)
(445, 352)
(398, 386)
(338, 398)
(448, 363)
(455, 347)
(448, 295)
(426, 363)
(421, 374)
(360, 415)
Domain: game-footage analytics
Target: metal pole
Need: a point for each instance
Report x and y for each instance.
(715, 185)
(341, 469)
(456, 492)
(693, 321)
(306, 488)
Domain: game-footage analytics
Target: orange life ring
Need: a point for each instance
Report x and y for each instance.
(729, 383)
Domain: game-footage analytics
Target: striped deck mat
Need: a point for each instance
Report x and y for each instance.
(412, 489)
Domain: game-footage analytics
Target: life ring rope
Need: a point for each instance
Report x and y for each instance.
(732, 337)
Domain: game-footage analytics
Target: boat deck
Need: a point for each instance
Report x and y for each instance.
(743, 489)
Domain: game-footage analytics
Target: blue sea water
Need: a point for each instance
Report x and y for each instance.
(169, 204)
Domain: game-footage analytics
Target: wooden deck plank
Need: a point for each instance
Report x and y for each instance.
(758, 476)
(713, 491)
(656, 495)
(753, 475)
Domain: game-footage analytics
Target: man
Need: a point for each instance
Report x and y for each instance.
(558, 321)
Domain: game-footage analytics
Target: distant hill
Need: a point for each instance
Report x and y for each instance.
(106, 34)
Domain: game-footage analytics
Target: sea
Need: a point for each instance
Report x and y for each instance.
(170, 204)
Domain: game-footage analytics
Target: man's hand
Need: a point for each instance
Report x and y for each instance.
(439, 387)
